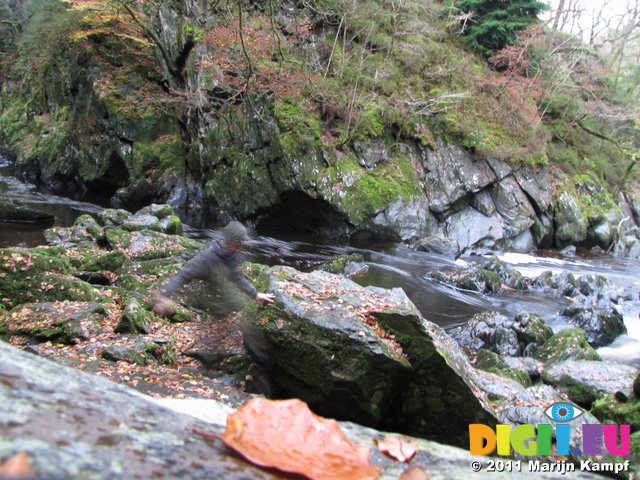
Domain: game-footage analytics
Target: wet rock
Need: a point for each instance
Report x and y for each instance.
(509, 276)
(601, 327)
(339, 264)
(149, 245)
(513, 206)
(142, 222)
(601, 291)
(113, 216)
(40, 275)
(571, 227)
(403, 219)
(10, 212)
(636, 385)
(474, 279)
(473, 231)
(536, 182)
(486, 359)
(371, 152)
(439, 244)
(527, 364)
(75, 425)
(569, 344)
(628, 246)
(500, 384)
(583, 382)
(363, 354)
(495, 332)
(452, 174)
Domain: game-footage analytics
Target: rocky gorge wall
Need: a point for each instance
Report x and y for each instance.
(149, 125)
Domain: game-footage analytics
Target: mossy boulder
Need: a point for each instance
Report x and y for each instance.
(142, 222)
(509, 276)
(339, 263)
(61, 322)
(609, 409)
(473, 279)
(110, 261)
(135, 318)
(493, 363)
(355, 353)
(569, 344)
(36, 276)
(111, 217)
(493, 331)
(583, 382)
(601, 326)
(571, 226)
(148, 244)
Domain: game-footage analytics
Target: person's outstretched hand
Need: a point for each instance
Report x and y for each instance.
(162, 306)
(264, 297)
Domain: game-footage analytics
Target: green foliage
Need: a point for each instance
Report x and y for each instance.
(495, 23)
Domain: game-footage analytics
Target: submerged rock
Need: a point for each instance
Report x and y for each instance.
(10, 212)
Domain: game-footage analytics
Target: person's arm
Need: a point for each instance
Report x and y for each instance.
(244, 285)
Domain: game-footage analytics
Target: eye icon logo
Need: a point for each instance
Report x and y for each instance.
(563, 412)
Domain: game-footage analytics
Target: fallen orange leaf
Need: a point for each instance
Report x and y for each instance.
(286, 435)
(16, 467)
(398, 446)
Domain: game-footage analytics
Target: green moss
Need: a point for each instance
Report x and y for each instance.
(299, 123)
(111, 261)
(338, 264)
(164, 154)
(32, 276)
(569, 344)
(368, 191)
(610, 410)
(513, 374)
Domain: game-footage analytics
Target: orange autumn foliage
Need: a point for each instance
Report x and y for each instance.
(286, 435)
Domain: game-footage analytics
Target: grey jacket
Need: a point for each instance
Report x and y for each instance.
(212, 265)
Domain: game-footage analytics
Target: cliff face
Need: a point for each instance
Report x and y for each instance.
(198, 106)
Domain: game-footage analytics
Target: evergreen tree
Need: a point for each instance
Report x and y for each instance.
(495, 23)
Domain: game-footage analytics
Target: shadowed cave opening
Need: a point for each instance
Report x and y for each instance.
(298, 212)
(115, 176)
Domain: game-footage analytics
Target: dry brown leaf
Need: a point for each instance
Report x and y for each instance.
(398, 447)
(286, 435)
(414, 473)
(16, 467)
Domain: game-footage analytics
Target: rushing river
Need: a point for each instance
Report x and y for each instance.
(387, 265)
